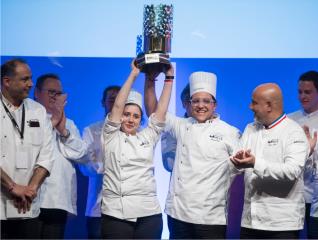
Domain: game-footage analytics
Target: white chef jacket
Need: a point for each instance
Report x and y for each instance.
(311, 166)
(59, 190)
(201, 178)
(37, 141)
(129, 187)
(168, 149)
(93, 169)
(274, 188)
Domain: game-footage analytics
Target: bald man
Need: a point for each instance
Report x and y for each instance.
(274, 150)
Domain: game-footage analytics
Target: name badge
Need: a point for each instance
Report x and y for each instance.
(34, 123)
(12, 211)
(22, 157)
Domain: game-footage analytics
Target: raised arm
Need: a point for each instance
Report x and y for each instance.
(119, 105)
(163, 103)
(150, 98)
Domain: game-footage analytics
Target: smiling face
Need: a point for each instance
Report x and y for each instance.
(202, 106)
(131, 119)
(308, 96)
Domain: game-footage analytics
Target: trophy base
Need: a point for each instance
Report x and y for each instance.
(157, 62)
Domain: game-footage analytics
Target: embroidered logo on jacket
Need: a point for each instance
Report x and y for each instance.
(272, 142)
(215, 137)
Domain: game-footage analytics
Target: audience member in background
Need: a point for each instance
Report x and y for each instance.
(130, 208)
(307, 117)
(274, 150)
(94, 168)
(26, 152)
(197, 200)
(59, 190)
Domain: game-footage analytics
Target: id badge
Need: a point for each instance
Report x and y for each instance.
(22, 157)
(12, 211)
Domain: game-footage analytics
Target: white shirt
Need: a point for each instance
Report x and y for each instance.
(37, 143)
(274, 188)
(94, 168)
(311, 167)
(129, 187)
(201, 173)
(59, 190)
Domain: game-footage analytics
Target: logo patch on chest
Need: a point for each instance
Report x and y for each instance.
(215, 137)
(272, 142)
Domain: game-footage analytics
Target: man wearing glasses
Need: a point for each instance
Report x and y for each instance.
(59, 191)
(197, 199)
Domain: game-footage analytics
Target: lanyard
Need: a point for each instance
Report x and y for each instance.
(21, 132)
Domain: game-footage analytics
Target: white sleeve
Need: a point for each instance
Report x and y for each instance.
(294, 156)
(153, 130)
(234, 145)
(74, 148)
(46, 157)
(93, 159)
(173, 124)
(109, 128)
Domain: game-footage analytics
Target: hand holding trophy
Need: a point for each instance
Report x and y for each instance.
(157, 34)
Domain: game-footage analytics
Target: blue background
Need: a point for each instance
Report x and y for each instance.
(85, 78)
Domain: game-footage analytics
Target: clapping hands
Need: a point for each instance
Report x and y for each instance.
(58, 114)
(243, 159)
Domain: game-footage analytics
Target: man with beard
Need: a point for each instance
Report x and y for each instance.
(274, 150)
(26, 152)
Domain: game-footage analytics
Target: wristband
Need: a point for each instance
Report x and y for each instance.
(168, 81)
(170, 77)
(65, 137)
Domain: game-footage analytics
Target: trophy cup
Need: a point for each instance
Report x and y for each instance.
(157, 34)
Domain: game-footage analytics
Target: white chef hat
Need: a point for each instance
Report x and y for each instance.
(203, 82)
(134, 97)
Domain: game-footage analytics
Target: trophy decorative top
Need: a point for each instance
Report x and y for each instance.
(157, 28)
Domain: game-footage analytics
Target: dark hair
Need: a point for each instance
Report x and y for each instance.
(41, 79)
(8, 68)
(112, 87)
(310, 76)
(185, 94)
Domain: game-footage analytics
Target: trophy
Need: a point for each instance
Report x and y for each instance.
(157, 34)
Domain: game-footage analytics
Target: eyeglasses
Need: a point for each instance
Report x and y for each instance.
(204, 101)
(52, 92)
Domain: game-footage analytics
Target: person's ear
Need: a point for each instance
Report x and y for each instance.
(6, 81)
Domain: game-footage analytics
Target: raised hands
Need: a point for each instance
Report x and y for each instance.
(311, 139)
(58, 115)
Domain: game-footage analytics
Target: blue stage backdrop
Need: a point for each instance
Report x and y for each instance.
(85, 78)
